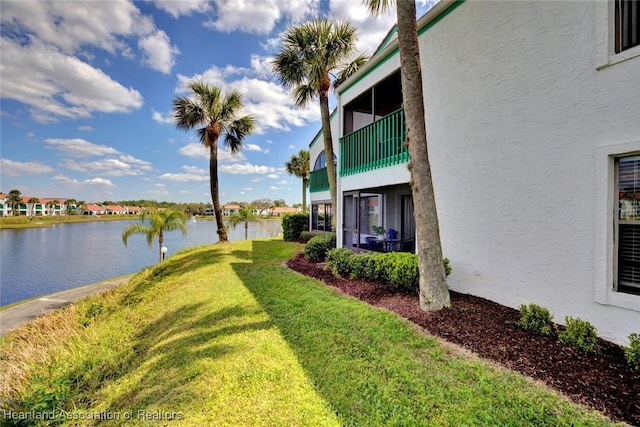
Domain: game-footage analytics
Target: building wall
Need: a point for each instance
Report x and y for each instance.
(522, 121)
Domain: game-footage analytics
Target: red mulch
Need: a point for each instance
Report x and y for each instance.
(604, 381)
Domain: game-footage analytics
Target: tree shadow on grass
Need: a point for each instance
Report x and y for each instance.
(164, 358)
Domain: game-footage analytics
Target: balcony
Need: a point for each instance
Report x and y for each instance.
(378, 145)
(319, 180)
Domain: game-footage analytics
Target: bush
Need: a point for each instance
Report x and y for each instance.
(632, 353)
(367, 267)
(401, 270)
(293, 225)
(536, 319)
(579, 334)
(305, 236)
(339, 260)
(447, 267)
(318, 247)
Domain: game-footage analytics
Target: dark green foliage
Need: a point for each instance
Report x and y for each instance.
(318, 247)
(447, 267)
(579, 334)
(367, 267)
(305, 236)
(395, 269)
(632, 352)
(536, 319)
(339, 261)
(293, 225)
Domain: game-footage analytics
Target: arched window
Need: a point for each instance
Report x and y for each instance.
(321, 161)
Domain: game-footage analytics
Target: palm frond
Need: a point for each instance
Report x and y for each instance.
(135, 229)
(187, 114)
(349, 69)
(304, 94)
(377, 7)
(237, 132)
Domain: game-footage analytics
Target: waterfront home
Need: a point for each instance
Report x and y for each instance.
(228, 210)
(93, 209)
(532, 112)
(282, 210)
(115, 210)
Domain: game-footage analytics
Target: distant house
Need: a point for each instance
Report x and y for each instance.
(93, 209)
(134, 210)
(228, 210)
(115, 210)
(282, 210)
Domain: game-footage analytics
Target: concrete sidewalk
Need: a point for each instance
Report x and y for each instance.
(15, 316)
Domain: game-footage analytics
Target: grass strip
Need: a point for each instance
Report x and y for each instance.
(226, 335)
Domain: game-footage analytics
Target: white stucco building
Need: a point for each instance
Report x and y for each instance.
(533, 122)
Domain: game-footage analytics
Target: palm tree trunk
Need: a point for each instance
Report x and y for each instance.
(305, 183)
(328, 149)
(160, 242)
(246, 230)
(215, 191)
(434, 293)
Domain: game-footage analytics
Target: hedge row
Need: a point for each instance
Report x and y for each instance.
(396, 269)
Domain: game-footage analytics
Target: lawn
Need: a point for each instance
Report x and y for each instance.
(227, 335)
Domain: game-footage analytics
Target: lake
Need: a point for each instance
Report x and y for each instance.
(39, 261)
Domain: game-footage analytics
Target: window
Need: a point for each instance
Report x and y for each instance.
(627, 224)
(321, 214)
(627, 24)
(321, 161)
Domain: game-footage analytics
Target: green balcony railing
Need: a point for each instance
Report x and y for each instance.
(377, 145)
(318, 180)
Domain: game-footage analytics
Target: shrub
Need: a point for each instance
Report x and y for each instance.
(305, 236)
(447, 267)
(536, 319)
(366, 267)
(339, 260)
(579, 334)
(293, 225)
(402, 271)
(632, 353)
(318, 247)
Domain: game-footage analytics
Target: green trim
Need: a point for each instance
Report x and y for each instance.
(315, 138)
(386, 40)
(343, 89)
(318, 180)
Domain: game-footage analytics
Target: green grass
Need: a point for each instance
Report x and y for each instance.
(12, 222)
(226, 335)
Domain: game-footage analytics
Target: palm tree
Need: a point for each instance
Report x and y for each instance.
(299, 166)
(33, 201)
(161, 221)
(14, 198)
(434, 293)
(310, 53)
(53, 205)
(214, 115)
(245, 214)
(72, 205)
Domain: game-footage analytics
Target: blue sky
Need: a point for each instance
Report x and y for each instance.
(86, 93)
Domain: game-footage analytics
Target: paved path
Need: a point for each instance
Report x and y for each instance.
(15, 316)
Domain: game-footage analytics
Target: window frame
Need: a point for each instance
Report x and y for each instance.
(619, 25)
(605, 37)
(604, 243)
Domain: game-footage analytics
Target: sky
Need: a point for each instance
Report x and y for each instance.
(86, 90)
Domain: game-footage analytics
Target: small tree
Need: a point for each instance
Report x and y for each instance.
(298, 165)
(160, 222)
(33, 201)
(245, 214)
(14, 198)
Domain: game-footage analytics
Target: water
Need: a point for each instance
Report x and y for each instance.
(39, 261)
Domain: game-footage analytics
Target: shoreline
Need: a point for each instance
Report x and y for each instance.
(15, 314)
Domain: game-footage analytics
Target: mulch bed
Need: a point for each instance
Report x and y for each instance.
(604, 381)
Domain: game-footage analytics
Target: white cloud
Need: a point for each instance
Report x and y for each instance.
(123, 166)
(191, 173)
(158, 117)
(195, 149)
(371, 29)
(14, 168)
(48, 47)
(259, 17)
(159, 54)
(245, 169)
(248, 188)
(292, 147)
(273, 187)
(86, 128)
(78, 147)
(271, 105)
(253, 147)
(282, 182)
(178, 8)
(55, 84)
(273, 176)
(93, 181)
